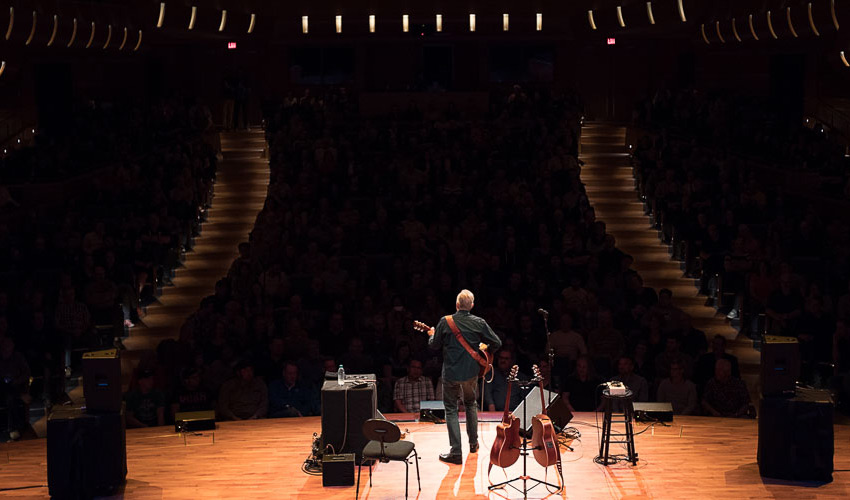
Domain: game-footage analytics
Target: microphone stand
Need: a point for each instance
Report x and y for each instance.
(551, 355)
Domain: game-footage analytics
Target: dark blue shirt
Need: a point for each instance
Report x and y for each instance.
(458, 365)
(283, 399)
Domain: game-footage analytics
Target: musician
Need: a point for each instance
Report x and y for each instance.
(460, 370)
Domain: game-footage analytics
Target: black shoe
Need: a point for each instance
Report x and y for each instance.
(473, 448)
(451, 459)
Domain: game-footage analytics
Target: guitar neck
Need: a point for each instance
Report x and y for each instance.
(542, 399)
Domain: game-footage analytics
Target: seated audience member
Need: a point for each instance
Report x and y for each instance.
(692, 340)
(626, 374)
(14, 388)
(605, 344)
(412, 389)
(580, 389)
(784, 307)
(191, 396)
(707, 362)
(243, 397)
(356, 360)
(145, 404)
(678, 391)
(670, 354)
(496, 391)
(290, 397)
(270, 366)
(725, 395)
(567, 344)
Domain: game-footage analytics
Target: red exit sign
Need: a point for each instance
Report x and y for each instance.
(231, 45)
(612, 41)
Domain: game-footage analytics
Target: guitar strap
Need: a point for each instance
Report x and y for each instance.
(472, 352)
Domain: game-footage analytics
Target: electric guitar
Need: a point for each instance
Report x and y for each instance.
(543, 439)
(506, 447)
(485, 361)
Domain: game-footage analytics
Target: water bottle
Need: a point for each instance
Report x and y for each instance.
(340, 376)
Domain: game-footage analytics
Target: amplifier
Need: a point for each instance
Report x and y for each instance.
(653, 412)
(796, 436)
(338, 470)
(86, 453)
(191, 421)
(102, 381)
(344, 410)
(432, 411)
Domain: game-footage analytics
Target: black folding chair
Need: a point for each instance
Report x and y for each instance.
(385, 445)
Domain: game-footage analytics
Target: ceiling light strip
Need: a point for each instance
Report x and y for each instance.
(753, 29)
(32, 30)
(649, 13)
(812, 21)
(73, 34)
(55, 29)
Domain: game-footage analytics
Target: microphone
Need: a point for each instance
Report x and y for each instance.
(543, 312)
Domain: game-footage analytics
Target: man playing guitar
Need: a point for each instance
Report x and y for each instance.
(461, 369)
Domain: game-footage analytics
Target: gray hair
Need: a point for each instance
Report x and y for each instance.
(465, 300)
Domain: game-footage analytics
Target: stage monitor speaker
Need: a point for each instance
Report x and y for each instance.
(557, 410)
(338, 470)
(796, 440)
(86, 453)
(102, 381)
(780, 365)
(344, 409)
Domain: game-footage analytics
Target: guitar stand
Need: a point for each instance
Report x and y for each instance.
(525, 450)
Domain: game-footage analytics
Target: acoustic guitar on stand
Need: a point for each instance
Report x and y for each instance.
(544, 441)
(484, 360)
(507, 446)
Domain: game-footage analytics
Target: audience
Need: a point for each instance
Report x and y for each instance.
(243, 397)
(290, 396)
(14, 388)
(726, 396)
(412, 389)
(678, 391)
(145, 404)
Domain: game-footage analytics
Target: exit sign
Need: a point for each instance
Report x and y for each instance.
(231, 45)
(611, 41)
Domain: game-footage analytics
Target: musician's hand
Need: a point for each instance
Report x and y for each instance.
(482, 346)
(431, 331)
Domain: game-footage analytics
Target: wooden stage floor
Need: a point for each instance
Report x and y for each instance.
(696, 457)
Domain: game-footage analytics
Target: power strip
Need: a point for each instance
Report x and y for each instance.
(616, 388)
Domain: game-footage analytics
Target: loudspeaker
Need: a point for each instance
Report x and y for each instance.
(102, 381)
(780, 365)
(86, 453)
(796, 440)
(338, 470)
(557, 411)
(344, 410)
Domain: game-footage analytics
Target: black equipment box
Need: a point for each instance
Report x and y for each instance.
(192, 421)
(780, 365)
(86, 453)
(338, 470)
(653, 412)
(796, 437)
(344, 410)
(432, 411)
(102, 381)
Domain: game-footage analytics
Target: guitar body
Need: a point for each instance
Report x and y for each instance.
(544, 441)
(487, 368)
(543, 438)
(506, 448)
